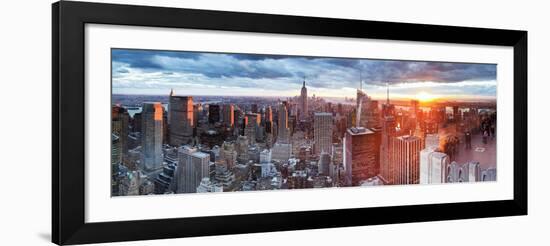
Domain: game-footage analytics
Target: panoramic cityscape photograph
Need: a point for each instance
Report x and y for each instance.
(197, 122)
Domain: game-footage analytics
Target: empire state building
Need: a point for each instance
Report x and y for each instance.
(303, 102)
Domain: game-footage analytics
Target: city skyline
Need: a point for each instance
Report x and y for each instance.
(151, 72)
(177, 142)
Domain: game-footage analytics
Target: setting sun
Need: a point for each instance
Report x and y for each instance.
(425, 96)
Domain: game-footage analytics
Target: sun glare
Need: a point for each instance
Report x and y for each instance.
(425, 96)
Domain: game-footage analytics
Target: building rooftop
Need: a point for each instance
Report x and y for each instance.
(408, 137)
(323, 114)
(150, 102)
(359, 131)
(201, 154)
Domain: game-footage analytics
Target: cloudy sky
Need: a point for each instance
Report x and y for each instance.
(198, 73)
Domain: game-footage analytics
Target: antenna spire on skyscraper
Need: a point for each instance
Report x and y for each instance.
(361, 80)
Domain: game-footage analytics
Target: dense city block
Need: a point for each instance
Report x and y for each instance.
(179, 143)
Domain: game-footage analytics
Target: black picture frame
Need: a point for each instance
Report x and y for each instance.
(68, 122)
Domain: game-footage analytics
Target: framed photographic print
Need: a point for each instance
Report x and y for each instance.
(175, 122)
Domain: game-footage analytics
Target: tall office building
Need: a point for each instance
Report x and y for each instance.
(433, 166)
(119, 125)
(303, 102)
(251, 126)
(405, 159)
(254, 108)
(115, 153)
(361, 154)
(324, 163)
(228, 115)
(268, 123)
(268, 114)
(322, 133)
(388, 132)
(265, 156)
(242, 149)
(181, 116)
(283, 133)
(213, 113)
(193, 166)
(237, 122)
(474, 171)
(367, 113)
(361, 107)
(151, 135)
(281, 151)
(456, 114)
(414, 109)
(467, 172)
(197, 109)
(337, 159)
(228, 154)
(489, 174)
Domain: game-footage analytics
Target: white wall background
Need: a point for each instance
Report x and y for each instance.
(25, 58)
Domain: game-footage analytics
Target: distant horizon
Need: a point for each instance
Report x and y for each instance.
(334, 97)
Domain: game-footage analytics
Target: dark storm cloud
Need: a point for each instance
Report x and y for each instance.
(142, 58)
(412, 71)
(319, 72)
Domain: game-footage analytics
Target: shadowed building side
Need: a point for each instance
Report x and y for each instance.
(152, 135)
(181, 119)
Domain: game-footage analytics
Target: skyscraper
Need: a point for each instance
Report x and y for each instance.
(228, 154)
(324, 163)
(213, 113)
(283, 133)
(388, 132)
(228, 115)
(489, 174)
(265, 156)
(181, 117)
(151, 135)
(251, 127)
(115, 153)
(467, 172)
(193, 166)
(361, 154)
(119, 127)
(254, 108)
(268, 114)
(433, 166)
(197, 109)
(269, 131)
(361, 101)
(242, 149)
(405, 159)
(303, 102)
(281, 151)
(322, 133)
(414, 109)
